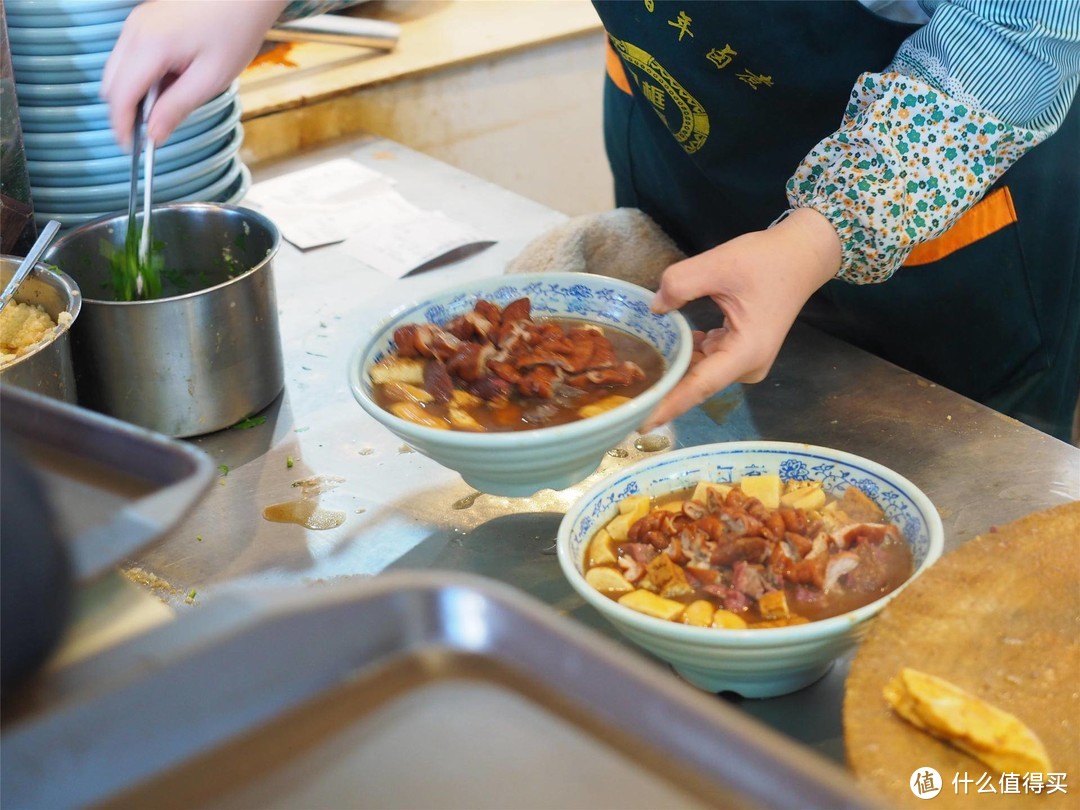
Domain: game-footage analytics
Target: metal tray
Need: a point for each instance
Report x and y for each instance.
(114, 488)
(402, 690)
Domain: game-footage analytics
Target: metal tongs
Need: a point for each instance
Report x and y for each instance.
(338, 29)
(143, 255)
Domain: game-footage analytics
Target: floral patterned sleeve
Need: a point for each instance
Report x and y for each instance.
(922, 142)
(296, 9)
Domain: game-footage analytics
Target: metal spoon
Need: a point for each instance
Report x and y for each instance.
(43, 240)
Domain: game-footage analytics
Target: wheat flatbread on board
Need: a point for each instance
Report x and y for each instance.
(998, 617)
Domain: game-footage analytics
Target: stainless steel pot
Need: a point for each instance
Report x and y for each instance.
(203, 356)
(48, 368)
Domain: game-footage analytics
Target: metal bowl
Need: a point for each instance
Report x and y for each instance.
(207, 353)
(48, 368)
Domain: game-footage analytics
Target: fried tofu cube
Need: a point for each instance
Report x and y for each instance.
(728, 620)
(666, 578)
(806, 495)
(703, 488)
(608, 580)
(398, 369)
(669, 579)
(773, 605)
(601, 549)
(766, 488)
(652, 605)
(699, 613)
(859, 507)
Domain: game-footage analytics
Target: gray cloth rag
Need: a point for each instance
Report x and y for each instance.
(624, 243)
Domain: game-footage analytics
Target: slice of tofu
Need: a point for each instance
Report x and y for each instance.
(416, 414)
(699, 613)
(635, 503)
(728, 620)
(608, 580)
(636, 509)
(398, 369)
(601, 549)
(803, 495)
(650, 604)
(766, 488)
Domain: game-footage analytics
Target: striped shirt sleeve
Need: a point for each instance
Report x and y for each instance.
(967, 94)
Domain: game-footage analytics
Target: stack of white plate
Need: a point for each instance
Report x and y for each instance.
(77, 171)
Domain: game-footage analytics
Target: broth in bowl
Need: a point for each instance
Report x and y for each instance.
(756, 554)
(498, 369)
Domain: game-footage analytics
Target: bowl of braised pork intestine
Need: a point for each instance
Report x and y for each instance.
(521, 382)
(748, 566)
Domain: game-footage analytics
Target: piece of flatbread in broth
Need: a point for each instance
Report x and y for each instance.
(988, 733)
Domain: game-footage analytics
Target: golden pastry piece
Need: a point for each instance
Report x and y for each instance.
(988, 733)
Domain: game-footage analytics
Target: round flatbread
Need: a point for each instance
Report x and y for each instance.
(998, 617)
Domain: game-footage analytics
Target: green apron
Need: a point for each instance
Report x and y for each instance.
(726, 98)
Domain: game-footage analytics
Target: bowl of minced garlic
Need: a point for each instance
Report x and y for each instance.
(34, 325)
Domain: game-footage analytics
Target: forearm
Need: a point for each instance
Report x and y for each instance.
(910, 158)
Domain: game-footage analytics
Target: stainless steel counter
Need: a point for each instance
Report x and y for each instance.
(404, 511)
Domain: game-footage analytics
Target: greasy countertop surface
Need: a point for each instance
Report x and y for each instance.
(401, 510)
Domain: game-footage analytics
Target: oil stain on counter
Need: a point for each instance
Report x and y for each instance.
(466, 502)
(652, 443)
(305, 511)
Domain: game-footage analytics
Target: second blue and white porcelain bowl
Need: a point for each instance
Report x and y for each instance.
(767, 661)
(520, 463)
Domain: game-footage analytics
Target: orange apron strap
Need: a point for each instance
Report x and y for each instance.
(988, 215)
(615, 70)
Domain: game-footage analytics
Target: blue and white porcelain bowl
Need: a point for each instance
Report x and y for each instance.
(753, 663)
(520, 463)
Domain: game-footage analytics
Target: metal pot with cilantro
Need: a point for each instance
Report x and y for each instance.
(197, 350)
